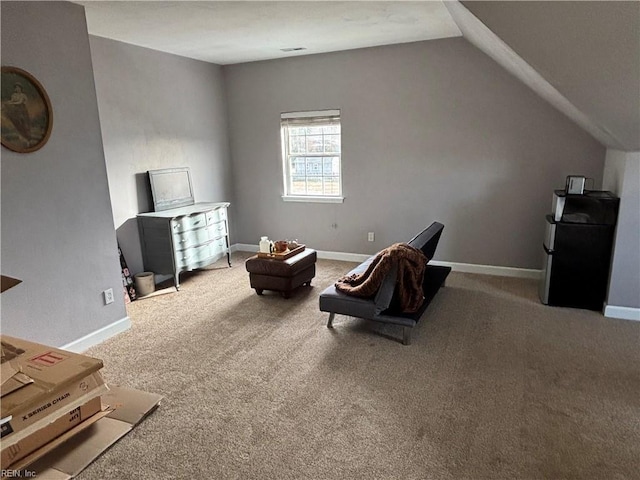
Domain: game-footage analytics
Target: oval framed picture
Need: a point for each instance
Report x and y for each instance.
(27, 117)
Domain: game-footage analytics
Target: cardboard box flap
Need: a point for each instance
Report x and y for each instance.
(78, 450)
(8, 369)
(9, 366)
(129, 405)
(17, 381)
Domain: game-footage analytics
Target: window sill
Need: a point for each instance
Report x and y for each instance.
(309, 199)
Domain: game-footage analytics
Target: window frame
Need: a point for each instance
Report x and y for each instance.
(290, 120)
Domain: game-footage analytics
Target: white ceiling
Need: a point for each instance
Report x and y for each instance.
(227, 32)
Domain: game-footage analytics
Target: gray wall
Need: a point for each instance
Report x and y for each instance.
(622, 176)
(431, 131)
(158, 110)
(57, 226)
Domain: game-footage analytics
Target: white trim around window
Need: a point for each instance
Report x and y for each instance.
(312, 156)
(311, 199)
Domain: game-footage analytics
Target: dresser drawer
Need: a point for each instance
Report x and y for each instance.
(188, 222)
(218, 229)
(219, 246)
(192, 238)
(217, 215)
(191, 257)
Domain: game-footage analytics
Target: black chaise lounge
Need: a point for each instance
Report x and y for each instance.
(383, 307)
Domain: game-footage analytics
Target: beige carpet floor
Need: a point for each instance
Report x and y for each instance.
(494, 386)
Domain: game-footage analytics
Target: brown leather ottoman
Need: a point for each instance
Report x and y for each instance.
(282, 275)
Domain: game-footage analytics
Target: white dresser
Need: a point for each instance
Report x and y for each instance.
(184, 238)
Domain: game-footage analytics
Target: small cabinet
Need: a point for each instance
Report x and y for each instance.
(185, 238)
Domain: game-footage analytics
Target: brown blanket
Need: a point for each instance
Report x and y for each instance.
(411, 266)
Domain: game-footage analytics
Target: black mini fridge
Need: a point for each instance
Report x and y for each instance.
(577, 249)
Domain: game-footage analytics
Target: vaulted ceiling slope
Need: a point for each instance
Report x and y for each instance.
(584, 56)
(589, 51)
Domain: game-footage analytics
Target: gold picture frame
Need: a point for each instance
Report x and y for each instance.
(27, 116)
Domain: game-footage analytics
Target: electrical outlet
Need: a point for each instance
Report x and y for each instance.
(108, 296)
(371, 237)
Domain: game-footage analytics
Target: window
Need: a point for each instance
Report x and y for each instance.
(311, 154)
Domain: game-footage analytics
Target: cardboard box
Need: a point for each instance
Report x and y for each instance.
(46, 434)
(59, 382)
(22, 468)
(69, 454)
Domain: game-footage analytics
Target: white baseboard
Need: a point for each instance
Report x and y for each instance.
(94, 338)
(345, 257)
(456, 267)
(244, 247)
(624, 313)
(491, 270)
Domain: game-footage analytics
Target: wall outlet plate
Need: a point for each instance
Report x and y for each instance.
(108, 296)
(371, 237)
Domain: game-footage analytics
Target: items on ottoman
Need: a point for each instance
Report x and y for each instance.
(384, 304)
(282, 275)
